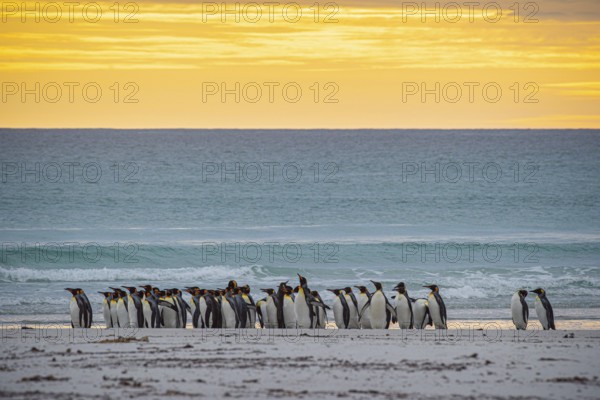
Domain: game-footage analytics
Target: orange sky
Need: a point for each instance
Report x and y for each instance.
(365, 67)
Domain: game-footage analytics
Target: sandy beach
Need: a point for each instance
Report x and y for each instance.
(261, 364)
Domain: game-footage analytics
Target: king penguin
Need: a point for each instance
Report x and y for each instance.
(363, 298)
(544, 309)
(341, 311)
(106, 309)
(302, 305)
(421, 315)
(271, 306)
(122, 308)
(320, 318)
(289, 313)
(352, 307)
(437, 308)
(135, 309)
(404, 307)
(381, 311)
(79, 309)
(247, 297)
(519, 309)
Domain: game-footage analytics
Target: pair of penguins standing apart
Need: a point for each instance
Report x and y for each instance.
(374, 311)
(520, 310)
(80, 309)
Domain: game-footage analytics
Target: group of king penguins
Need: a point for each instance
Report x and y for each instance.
(284, 307)
(520, 310)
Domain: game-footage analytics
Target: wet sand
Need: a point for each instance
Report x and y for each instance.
(310, 364)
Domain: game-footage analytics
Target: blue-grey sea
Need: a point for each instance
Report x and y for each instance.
(481, 213)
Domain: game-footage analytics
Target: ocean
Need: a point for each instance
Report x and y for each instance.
(481, 213)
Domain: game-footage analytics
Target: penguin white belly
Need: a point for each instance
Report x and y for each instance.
(262, 305)
(338, 313)
(271, 314)
(193, 309)
(434, 310)
(251, 322)
(113, 314)
(228, 315)
(302, 311)
(320, 318)
(74, 311)
(202, 318)
(541, 312)
(377, 311)
(289, 314)
(132, 314)
(353, 322)
(516, 309)
(122, 314)
(170, 316)
(403, 312)
(365, 320)
(147, 310)
(420, 313)
(106, 313)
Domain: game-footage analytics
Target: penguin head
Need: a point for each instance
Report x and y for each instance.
(362, 289)
(303, 281)
(131, 289)
(117, 291)
(434, 288)
(147, 287)
(377, 285)
(105, 294)
(539, 291)
(523, 293)
(335, 291)
(246, 289)
(72, 291)
(315, 294)
(232, 284)
(348, 290)
(401, 288)
(296, 289)
(282, 285)
(268, 291)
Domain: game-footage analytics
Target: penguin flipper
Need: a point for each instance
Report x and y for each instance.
(391, 309)
(260, 317)
(549, 312)
(525, 310)
(168, 305)
(362, 312)
(440, 302)
(412, 317)
(346, 315)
